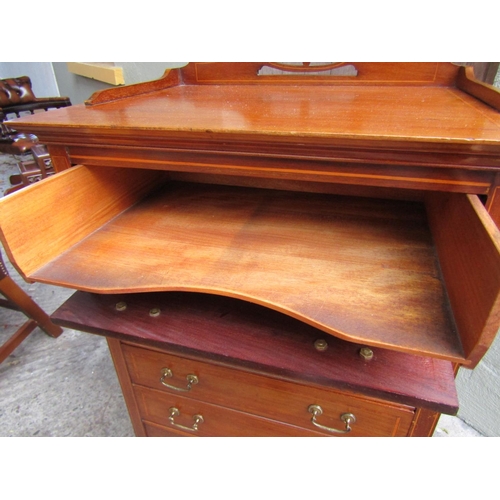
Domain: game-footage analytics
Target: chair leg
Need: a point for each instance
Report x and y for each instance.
(28, 306)
(8, 347)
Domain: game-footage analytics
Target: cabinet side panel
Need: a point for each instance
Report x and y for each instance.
(424, 423)
(468, 245)
(126, 385)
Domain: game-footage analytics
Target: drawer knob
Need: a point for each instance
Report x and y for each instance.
(347, 418)
(366, 353)
(167, 373)
(321, 345)
(174, 412)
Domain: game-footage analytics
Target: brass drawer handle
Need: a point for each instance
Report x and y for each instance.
(174, 412)
(167, 373)
(347, 418)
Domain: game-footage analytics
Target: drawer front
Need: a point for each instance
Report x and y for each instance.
(267, 397)
(184, 416)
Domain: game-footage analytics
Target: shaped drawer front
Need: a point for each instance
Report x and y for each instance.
(294, 404)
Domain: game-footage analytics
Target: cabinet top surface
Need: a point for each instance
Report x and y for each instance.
(397, 112)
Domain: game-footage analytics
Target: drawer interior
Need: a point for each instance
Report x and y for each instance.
(365, 270)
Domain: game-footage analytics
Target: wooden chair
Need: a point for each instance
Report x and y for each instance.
(31, 171)
(16, 96)
(17, 299)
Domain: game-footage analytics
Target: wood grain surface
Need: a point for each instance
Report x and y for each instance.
(337, 263)
(47, 218)
(468, 245)
(409, 127)
(267, 397)
(401, 113)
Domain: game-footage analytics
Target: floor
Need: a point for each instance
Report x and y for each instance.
(67, 386)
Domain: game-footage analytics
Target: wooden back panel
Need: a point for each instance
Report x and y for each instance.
(468, 245)
(83, 205)
(340, 73)
(330, 74)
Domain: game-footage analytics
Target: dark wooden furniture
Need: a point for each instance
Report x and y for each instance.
(16, 96)
(34, 170)
(359, 199)
(17, 299)
(13, 143)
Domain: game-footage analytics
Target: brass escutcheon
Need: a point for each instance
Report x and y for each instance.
(121, 306)
(155, 312)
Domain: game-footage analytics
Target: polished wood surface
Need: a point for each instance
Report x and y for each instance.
(335, 262)
(237, 334)
(425, 114)
(257, 376)
(18, 300)
(342, 195)
(342, 112)
(406, 128)
(468, 245)
(218, 421)
(126, 385)
(372, 113)
(424, 424)
(266, 397)
(415, 126)
(14, 341)
(66, 210)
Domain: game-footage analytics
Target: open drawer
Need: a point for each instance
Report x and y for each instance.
(422, 278)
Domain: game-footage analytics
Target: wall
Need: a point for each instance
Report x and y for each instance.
(43, 80)
(479, 393)
(79, 88)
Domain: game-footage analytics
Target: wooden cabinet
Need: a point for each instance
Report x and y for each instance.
(362, 207)
(277, 408)
(216, 366)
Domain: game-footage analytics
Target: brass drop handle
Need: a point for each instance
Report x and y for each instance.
(347, 418)
(174, 412)
(167, 373)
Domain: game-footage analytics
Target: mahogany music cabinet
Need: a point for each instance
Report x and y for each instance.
(275, 250)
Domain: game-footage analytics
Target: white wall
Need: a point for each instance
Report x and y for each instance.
(42, 76)
(135, 72)
(479, 393)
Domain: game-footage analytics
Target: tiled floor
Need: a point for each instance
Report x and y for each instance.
(68, 386)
